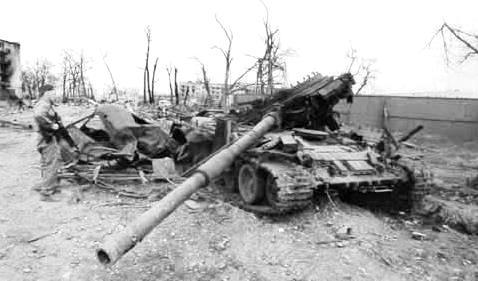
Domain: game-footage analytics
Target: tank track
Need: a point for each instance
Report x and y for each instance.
(406, 196)
(290, 187)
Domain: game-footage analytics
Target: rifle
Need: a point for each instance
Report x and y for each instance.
(62, 132)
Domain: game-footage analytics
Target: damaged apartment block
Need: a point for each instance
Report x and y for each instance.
(10, 74)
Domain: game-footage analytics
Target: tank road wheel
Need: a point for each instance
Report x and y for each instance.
(251, 187)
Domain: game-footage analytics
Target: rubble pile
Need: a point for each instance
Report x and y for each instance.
(459, 216)
(116, 146)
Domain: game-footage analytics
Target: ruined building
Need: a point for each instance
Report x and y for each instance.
(10, 73)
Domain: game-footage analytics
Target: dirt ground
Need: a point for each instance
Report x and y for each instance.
(57, 240)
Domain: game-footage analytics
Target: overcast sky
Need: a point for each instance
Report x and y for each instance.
(394, 34)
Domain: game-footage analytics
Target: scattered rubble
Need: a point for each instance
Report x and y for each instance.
(459, 216)
(84, 225)
(279, 172)
(15, 124)
(418, 236)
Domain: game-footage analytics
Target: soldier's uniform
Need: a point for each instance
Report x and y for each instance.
(47, 124)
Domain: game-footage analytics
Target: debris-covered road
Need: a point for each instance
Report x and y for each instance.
(212, 241)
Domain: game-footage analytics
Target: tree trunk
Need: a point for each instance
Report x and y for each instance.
(270, 78)
(260, 77)
(186, 96)
(144, 87)
(148, 84)
(147, 91)
(170, 86)
(82, 77)
(115, 89)
(206, 86)
(152, 81)
(64, 87)
(176, 92)
(92, 95)
(225, 95)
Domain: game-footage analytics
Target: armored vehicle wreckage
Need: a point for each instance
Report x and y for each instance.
(284, 172)
(309, 154)
(295, 150)
(306, 153)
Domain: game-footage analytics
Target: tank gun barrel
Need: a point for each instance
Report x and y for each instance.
(119, 244)
(325, 92)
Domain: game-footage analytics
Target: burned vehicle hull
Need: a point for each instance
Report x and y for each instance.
(284, 173)
(113, 140)
(309, 154)
(276, 170)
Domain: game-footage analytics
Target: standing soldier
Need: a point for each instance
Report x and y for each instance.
(50, 145)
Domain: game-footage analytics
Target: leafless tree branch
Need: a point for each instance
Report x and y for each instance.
(205, 81)
(228, 59)
(115, 89)
(364, 70)
(169, 70)
(460, 36)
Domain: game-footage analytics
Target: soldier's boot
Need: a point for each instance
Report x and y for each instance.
(46, 194)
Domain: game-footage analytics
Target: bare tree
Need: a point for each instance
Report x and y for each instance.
(352, 55)
(272, 62)
(75, 78)
(186, 96)
(115, 88)
(64, 80)
(82, 74)
(171, 92)
(363, 72)
(36, 76)
(270, 55)
(205, 81)
(153, 81)
(232, 87)
(448, 34)
(226, 52)
(146, 81)
(237, 85)
(176, 91)
(91, 94)
(367, 74)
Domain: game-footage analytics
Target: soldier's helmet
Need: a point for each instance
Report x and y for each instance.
(43, 93)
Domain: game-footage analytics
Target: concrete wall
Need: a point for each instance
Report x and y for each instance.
(456, 119)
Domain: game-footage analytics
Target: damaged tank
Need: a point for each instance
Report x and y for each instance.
(285, 172)
(310, 155)
(284, 160)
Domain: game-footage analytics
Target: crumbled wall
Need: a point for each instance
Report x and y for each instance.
(10, 73)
